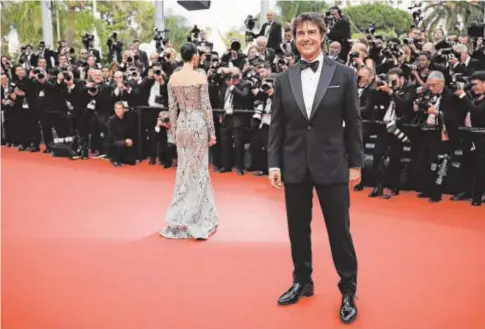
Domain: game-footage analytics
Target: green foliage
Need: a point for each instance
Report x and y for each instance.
(235, 34)
(449, 14)
(384, 18)
(291, 9)
(75, 21)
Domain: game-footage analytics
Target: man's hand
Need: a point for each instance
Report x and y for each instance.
(275, 178)
(355, 176)
(432, 110)
(129, 142)
(212, 141)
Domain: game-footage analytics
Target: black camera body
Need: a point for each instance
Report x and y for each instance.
(94, 89)
(159, 100)
(250, 23)
(254, 78)
(87, 39)
(458, 81)
(476, 30)
(424, 101)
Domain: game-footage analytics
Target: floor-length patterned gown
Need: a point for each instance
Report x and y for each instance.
(192, 213)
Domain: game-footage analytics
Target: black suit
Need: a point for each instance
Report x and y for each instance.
(317, 151)
(274, 34)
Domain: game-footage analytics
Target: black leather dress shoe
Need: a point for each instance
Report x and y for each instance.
(377, 191)
(292, 295)
(348, 309)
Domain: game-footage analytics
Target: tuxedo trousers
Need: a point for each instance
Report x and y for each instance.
(334, 201)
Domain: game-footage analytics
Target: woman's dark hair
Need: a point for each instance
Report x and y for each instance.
(188, 50)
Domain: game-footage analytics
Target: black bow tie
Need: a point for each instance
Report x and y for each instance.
(313, 65)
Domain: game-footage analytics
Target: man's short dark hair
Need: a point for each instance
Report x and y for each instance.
(120, 103)
(314, 18)
(397, 71)
(478, 75)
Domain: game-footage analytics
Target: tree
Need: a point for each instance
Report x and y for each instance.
(128, 18)
(291, 9)
(449, 14)
(383, 17)
(235, 34)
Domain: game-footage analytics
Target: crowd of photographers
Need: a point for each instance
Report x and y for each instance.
(418, 91)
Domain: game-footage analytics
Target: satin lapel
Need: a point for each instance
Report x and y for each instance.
(325, 78)
(295, 83)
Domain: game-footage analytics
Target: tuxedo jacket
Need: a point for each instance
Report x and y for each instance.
(275, 35)
(329, 141)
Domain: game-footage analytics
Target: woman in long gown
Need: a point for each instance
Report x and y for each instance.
(192, 213)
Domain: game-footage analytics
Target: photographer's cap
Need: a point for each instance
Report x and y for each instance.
(436, 75)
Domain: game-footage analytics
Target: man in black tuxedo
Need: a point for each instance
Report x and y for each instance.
(315, 138)
(272, 30)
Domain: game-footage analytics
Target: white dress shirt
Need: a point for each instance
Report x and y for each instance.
(309, 84)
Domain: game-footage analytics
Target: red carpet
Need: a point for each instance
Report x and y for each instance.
(80, 249)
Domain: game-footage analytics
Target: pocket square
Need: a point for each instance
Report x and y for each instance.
(334, 86)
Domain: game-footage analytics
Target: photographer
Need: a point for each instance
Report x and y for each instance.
(122, 91)
(115, 48)
(52, 113)
(340, 31)
(462, 62)
(235, 95)
(27, 59)
(358, 57)
(271, 31)
(7, 99)
(390, 140)
(260, 122)
(160, 147)
(76, 98)
(119, 141)
(440, 115)
(420, 70)
(24, 115)
(98, 109)
(234, 56)
(474, 148)
(153, 89)
(88, 42)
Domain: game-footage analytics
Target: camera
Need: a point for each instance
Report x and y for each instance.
(87, 39)
(254, 78)
(445, 54)
(250, 23)
(458, 81)
(113, 42)
(39, 74)
(159, 40)
(393, 49)
(329, 20)
(266, 84)
(235, 45)
(194, 34)
(476, 30)
(159, 100)
(392, 128)
(411, 67)
(371, 29)
(424, 101)
(94, 89)
(381, 79)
